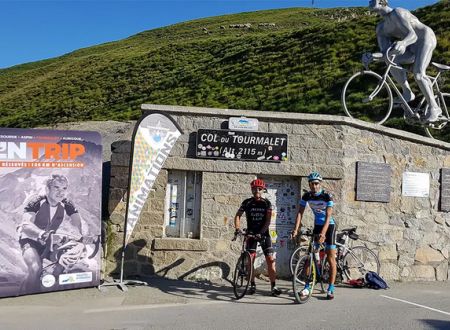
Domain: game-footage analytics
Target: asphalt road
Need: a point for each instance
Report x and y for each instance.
(168, 304)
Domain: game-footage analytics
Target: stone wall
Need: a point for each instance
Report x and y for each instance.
(410, 234)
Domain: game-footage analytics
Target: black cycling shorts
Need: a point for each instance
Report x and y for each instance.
(26, 243)
(265, 243)
(330, 236)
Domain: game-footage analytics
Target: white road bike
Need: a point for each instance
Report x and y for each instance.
(368, 96)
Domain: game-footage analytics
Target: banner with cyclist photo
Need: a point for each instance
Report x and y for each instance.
(50, 208)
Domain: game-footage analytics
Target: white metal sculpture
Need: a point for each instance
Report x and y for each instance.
(413, 43)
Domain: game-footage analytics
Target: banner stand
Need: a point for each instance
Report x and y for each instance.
(121, 283)
(157, 133)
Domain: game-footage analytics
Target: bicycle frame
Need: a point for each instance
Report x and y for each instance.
(312, 250)
(387, 78)
(244, 240)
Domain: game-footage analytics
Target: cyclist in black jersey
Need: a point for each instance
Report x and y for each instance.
(43, 214)
(258, 212)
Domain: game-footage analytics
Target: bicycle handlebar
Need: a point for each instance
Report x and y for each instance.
(306, 231)
(391, 61)
(57, 239)
(243, 233)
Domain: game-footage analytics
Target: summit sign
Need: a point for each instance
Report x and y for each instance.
(241, 145)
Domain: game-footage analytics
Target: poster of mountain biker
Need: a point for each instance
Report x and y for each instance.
(51, 195)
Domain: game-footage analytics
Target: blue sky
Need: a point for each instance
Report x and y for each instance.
(33, 30)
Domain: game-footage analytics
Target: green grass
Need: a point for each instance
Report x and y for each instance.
(298, 65)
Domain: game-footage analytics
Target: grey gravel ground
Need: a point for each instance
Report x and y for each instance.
(175, 304)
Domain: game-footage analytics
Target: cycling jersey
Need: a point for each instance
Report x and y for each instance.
(41, 207)
(318, 204)
(256, 213)
(45, 219)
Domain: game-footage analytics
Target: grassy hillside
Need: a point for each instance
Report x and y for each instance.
(297, 63)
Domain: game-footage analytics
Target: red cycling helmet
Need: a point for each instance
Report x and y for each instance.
(258, 183)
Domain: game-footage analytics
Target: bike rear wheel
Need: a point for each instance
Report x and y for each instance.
(365, 97)
(326, 272)
(242, 275)
(305, 272)
(440, 130)
(358, 261)
(295, 256)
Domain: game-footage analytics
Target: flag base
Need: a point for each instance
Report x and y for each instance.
(122, 284)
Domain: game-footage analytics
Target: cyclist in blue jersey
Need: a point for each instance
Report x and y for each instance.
(321, 203)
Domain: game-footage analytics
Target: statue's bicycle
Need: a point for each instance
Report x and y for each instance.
(368, 96)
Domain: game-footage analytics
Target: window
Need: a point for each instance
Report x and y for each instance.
(182, 204)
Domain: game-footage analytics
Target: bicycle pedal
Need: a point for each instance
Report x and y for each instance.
(252, 290)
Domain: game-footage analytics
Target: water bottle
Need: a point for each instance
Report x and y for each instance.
(322, 255)
(317, 256)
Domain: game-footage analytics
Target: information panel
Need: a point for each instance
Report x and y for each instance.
(373, 182)
(50, 208)
(242, 145)
(445, 189)
(416, 184)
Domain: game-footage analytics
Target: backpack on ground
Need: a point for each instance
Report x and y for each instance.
(375, 281)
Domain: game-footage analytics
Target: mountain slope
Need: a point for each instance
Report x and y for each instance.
(287, 60)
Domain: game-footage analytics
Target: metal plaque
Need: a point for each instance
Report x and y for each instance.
(445, 190)
(373, 182)
(243, 124)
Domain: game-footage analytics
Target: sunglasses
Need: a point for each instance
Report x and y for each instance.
(316, 183)
(257, 189)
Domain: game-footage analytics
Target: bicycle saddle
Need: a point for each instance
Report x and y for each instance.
(377, 56)
(441, 67)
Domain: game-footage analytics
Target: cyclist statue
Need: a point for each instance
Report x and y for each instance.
(321, 203)
(413, 42)
(43, 215)
(258, 212)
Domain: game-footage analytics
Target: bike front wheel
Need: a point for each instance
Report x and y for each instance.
(295, 256)
(305, 272)
(358, 261)
(367, 97)
(242, 275)
(441, 129)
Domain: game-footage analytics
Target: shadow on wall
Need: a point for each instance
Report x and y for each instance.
(192, 146)
(106, 176)
(181, 287)
(106, 169)
(215, 264)
(130, 269)
(136, 263)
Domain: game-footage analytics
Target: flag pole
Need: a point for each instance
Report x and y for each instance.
(121, 283)
(170, 127)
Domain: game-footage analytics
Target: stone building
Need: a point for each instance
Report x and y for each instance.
(186, 226)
